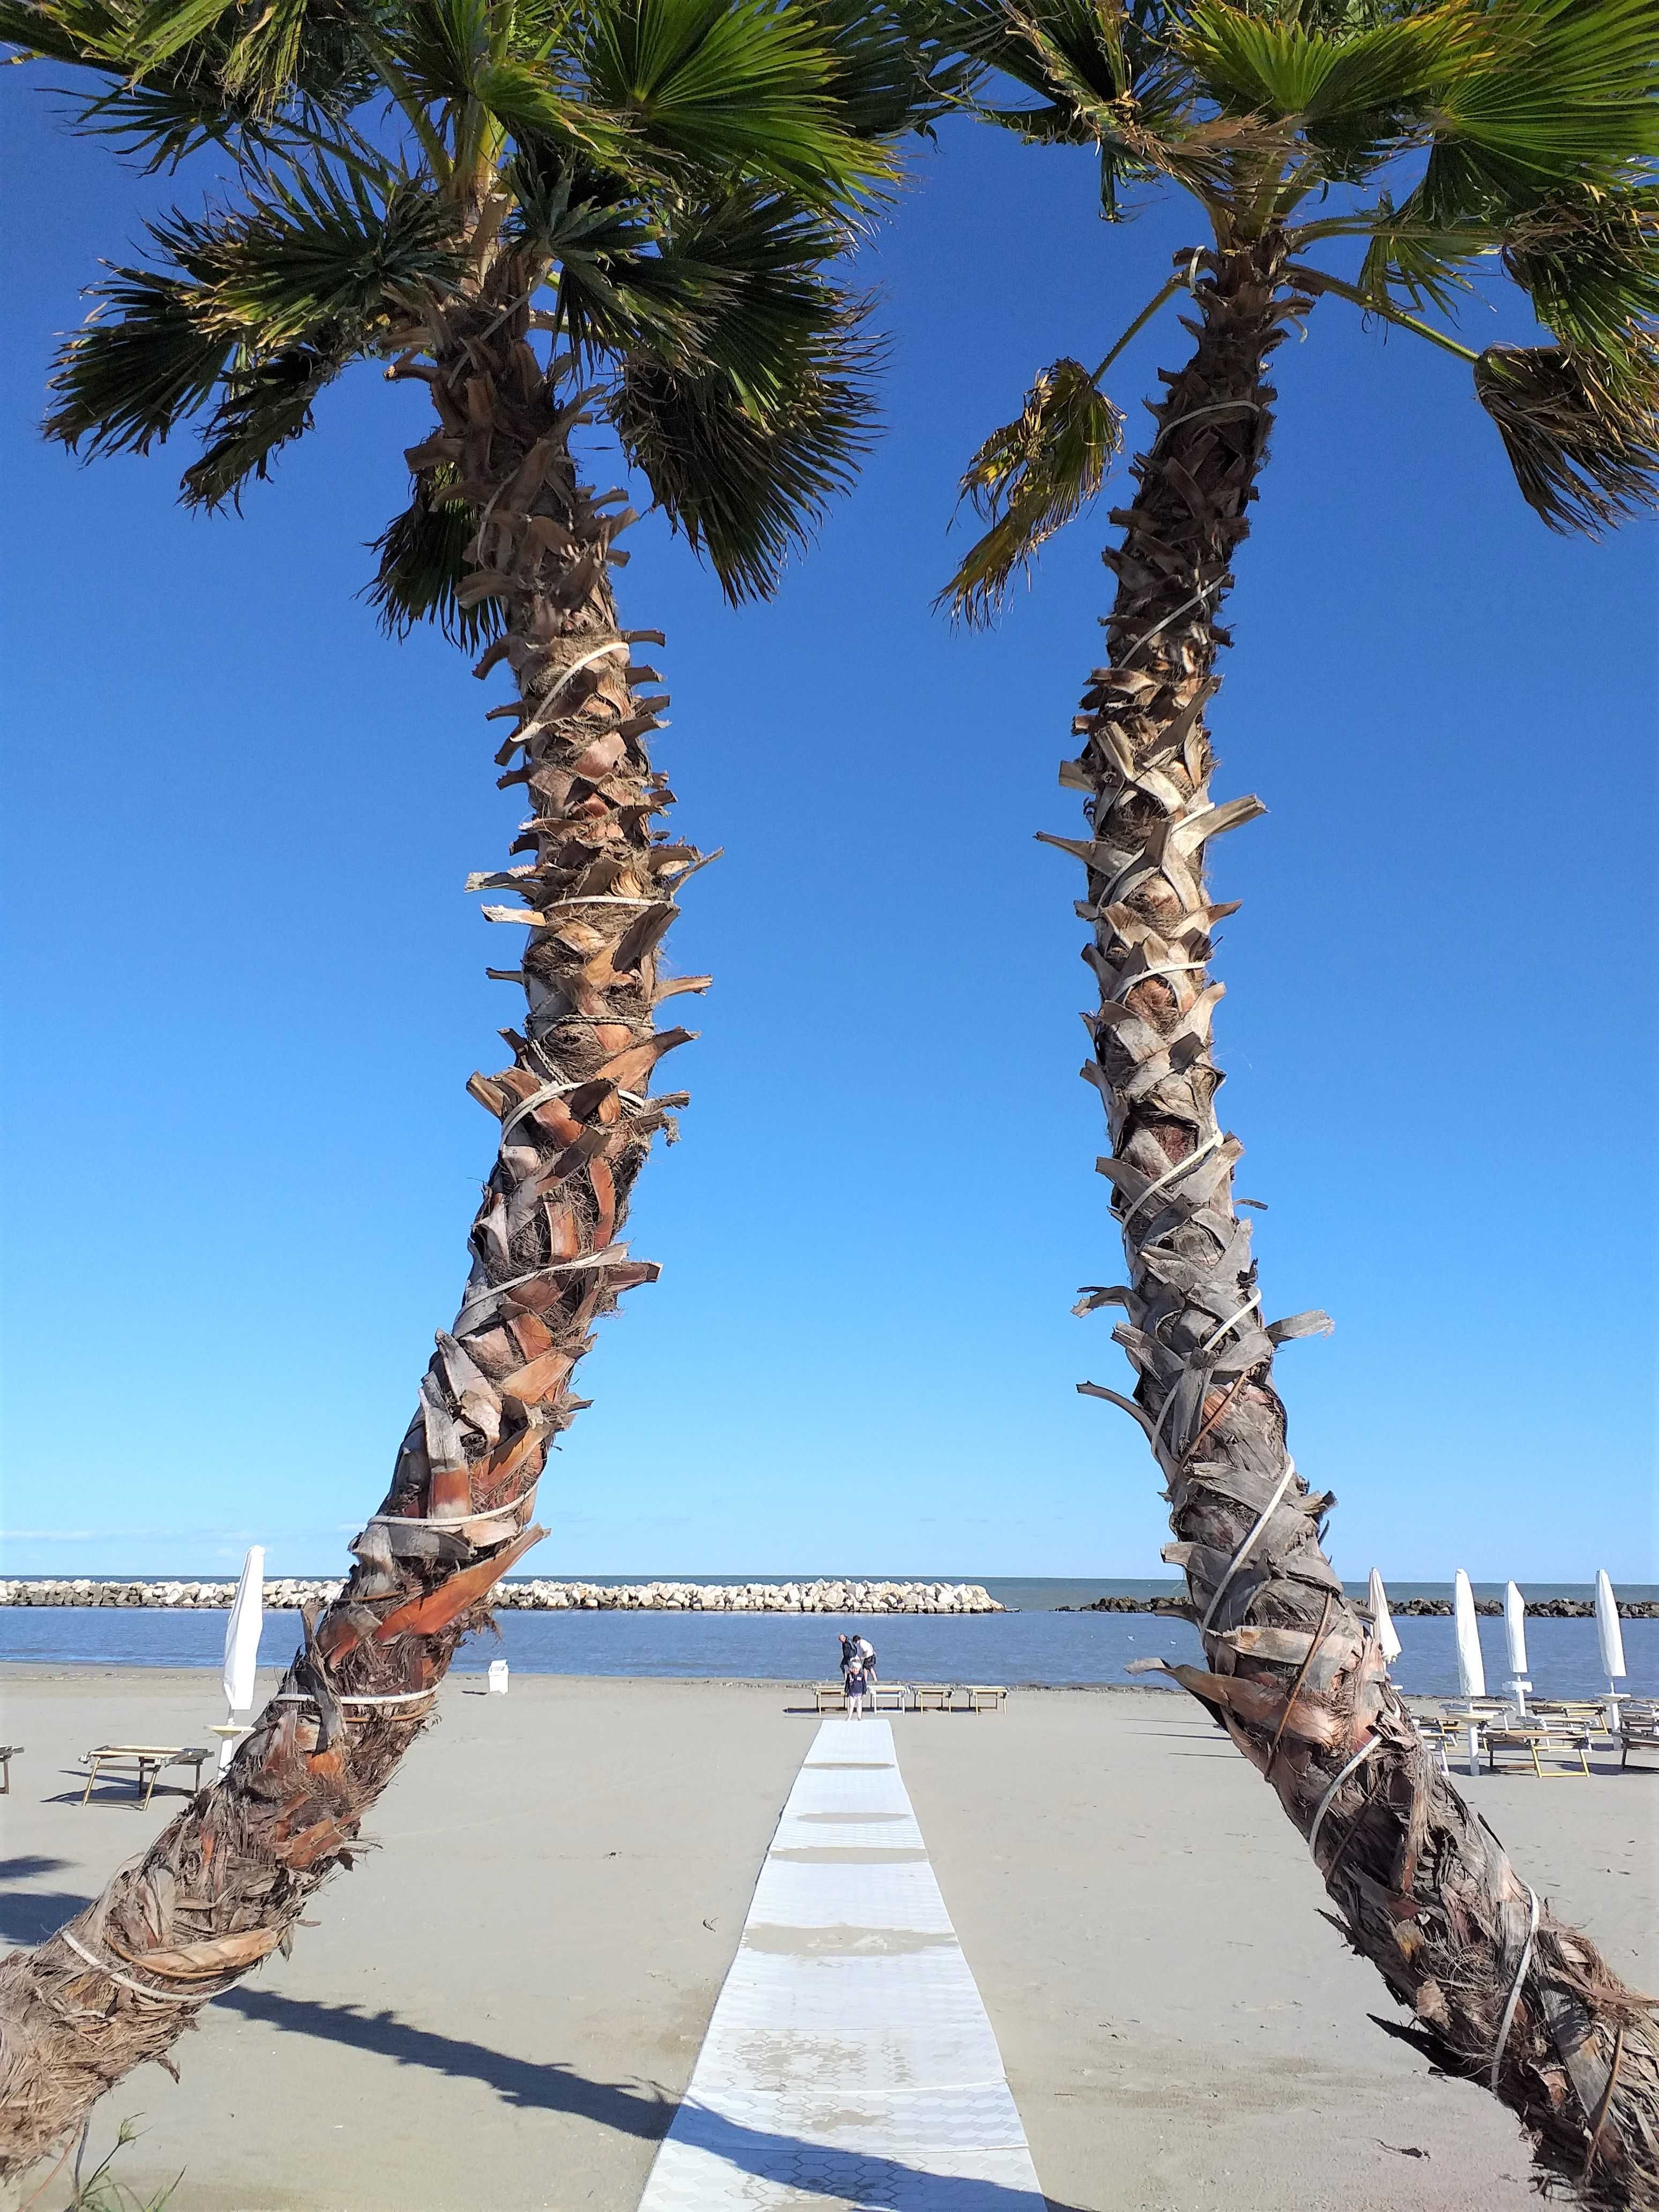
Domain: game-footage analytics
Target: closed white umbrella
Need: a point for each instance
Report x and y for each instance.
(1377, 1599)
(1515, 1635)
(1470, 1668)
(1609, 1636)
(242, 1648)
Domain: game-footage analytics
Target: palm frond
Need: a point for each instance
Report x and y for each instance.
(265, 402)
(1561, 91)
(166, 28)
(1589, 260)
(1280, 66)
(750, 267)
(88, 33)
(615, 288)
(158, 125)
(423, 564)
(141, 365)
(890, 70)
(540, 110)
(441, 45)
(1030, 479)
(1584, 456)
(734, 85)
(329, 247)
(265, 303)
(1418, 263)
(744, 467)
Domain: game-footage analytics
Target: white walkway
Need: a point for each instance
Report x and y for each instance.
(849, 2063)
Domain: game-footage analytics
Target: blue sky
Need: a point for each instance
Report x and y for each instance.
(244, 989)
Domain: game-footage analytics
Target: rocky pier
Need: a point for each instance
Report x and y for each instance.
(1412, 1608)
(286, 1594)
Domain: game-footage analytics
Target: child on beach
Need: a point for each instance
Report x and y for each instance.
(858, 1672)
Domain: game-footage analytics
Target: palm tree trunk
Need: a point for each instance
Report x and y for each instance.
(1501, 1990)
(224, 1885)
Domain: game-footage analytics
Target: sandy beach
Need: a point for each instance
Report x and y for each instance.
(501, 2008)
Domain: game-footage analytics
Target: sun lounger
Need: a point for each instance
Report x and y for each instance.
(891, 1697)
(140, 1763)
(930, 1697)
(1640, 1732)
(976, 1698)
(1535, 1743)
(8, 1752)
(831, 1696)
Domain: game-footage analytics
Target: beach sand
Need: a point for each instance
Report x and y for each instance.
(499, 2010)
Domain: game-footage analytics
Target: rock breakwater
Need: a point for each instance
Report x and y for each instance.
(286, 1594)
(1542, 1608)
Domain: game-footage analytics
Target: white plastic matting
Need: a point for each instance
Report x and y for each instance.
(849, 2065)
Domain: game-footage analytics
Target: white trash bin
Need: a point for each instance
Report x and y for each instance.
(498, 1676)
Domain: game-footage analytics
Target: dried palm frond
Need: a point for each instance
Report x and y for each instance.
(1590, 260)
(1030, 479)
(1585, 455)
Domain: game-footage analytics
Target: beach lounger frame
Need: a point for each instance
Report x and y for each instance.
(1537, 1742)
(1638, 1731)
(140, 1764)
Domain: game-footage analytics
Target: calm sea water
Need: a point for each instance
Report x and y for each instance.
(1037, 1645)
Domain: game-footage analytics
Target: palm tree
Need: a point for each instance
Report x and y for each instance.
(1516, 137)
(547, 214)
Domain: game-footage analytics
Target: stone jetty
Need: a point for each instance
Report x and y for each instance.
(1542, 1608)
(285, 1594)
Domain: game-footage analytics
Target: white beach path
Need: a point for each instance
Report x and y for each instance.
(850, 2062)
(501, 2009)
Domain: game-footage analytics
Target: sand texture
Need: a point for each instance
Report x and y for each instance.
(500, 2009)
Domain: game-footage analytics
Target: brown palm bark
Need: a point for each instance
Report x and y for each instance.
(1501, 1990)
(224, 1885)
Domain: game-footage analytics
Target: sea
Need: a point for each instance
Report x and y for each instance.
(1036, 1642)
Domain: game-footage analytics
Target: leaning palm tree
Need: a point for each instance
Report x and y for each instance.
(547, 214)
(1433, 143)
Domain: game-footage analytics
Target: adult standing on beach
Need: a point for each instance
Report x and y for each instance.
(856, 1675)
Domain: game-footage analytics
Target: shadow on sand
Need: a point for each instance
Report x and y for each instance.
(30, 1916)
(643, 2111)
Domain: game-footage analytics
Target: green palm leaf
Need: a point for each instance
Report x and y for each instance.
(265, 404)
(747, 434)
(1565, 89)
(327, 248)
(423, 564)
(538, 110)
(1278, 67)
(738, 85)
(274, 297)
(122, 383)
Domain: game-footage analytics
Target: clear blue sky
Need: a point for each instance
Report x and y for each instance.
(245, 988)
